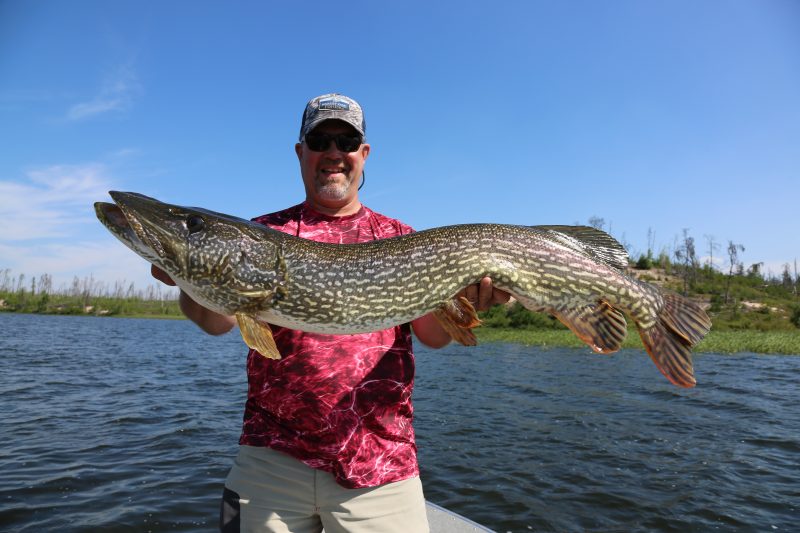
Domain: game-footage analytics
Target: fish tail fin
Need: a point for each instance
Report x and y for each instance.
(457, 317)
(681, 324)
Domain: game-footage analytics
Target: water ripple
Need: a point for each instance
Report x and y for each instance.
(131, 425)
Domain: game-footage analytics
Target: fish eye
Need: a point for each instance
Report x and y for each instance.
(195, 223)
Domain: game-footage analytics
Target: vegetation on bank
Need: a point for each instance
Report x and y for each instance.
(85, 297)
(772, 342)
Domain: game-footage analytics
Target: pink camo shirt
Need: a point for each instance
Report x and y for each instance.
(338, 403)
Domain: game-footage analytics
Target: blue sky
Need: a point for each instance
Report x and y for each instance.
(651, 115)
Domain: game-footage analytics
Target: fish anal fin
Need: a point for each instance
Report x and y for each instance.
(457, 317)
(257, 335)
(671, 354)
(599, 325)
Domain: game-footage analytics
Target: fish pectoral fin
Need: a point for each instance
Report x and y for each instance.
(257, 335)
(457, 317)
(268, 296)
(260, 294)
(599, 325)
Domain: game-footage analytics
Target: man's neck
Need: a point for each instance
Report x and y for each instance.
(349, 208)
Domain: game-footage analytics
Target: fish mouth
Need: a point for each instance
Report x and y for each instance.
(113, 218)
(123, 220)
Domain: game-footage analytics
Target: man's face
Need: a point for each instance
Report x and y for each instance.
(332, 177)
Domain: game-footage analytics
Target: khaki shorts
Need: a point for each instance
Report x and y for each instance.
(269, 491)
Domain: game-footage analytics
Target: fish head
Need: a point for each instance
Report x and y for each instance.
(223, 262)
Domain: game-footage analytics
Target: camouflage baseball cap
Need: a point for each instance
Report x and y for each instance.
(333, 106)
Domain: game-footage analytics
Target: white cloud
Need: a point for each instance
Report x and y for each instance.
(46, 219)
(51, 201)
(95, 107)
(124, 153)
(116, 94)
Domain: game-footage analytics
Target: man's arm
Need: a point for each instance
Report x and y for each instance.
(481, 295)
(209, 321)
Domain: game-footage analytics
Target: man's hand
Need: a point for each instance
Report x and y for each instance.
(484, 295)
(161, 276)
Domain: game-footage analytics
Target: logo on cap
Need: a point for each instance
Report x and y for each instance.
(334, 104)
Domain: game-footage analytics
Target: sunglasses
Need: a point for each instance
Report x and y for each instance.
(319, 142)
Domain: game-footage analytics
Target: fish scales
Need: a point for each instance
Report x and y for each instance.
(423, 270)
(233, 266)
(419, 276)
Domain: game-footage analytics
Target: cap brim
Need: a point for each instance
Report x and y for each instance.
(323, 117)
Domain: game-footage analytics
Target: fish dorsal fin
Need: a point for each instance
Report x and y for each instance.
(590, 242)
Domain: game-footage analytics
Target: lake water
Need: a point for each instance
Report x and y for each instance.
(131, 425)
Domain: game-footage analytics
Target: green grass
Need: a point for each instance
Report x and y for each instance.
(774, 342)
(57, 304)
(766, 342)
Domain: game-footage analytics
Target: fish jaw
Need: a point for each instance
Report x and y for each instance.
(156, 225)
(114, 219)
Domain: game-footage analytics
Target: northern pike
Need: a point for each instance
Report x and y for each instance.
(263, 276)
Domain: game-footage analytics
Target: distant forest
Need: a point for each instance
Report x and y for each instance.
(85, 296)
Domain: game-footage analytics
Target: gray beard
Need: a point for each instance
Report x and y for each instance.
(334, 191)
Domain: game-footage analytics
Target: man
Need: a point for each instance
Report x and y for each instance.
(327, 439)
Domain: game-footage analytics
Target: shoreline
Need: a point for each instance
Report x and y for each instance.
(727, 342)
